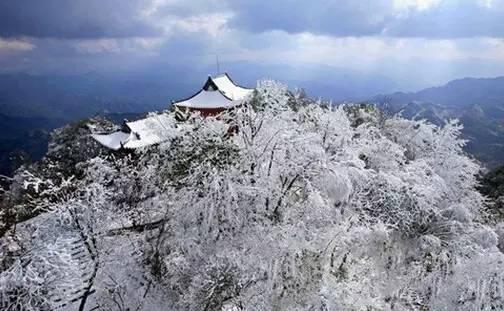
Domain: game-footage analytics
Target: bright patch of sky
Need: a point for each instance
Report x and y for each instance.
(15, 45)
(416, 4)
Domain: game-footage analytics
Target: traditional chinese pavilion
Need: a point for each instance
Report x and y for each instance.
(219, 93)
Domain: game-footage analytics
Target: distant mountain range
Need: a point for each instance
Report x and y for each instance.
(477, 103)
(23, 139)
(31, 106)
(76, 97)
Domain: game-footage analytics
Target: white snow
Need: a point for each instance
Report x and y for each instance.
(332, 217)
(149, 131)
(208, 100)
(144, 132)
(230, 89)
(113, 140)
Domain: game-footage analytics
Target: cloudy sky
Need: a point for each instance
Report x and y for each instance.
(412, 43)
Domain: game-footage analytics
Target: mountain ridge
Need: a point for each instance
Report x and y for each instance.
(477, 102)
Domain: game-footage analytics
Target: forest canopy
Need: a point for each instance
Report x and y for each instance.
(300, 206)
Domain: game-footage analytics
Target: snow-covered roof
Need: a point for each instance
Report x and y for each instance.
(229, 88)
(113, 141)
(152, 130)
(208, 100)
(218, 92)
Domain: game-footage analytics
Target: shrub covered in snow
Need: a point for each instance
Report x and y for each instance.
(305, 206)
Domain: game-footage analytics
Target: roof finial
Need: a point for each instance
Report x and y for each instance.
(218, 64)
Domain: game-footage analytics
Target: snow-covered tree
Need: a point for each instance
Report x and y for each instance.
(281, 204)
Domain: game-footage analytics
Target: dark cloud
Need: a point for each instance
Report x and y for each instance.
(78, 19)
(73, 19)
(340, 18)
(190, 8)
(450, 19)
(108, 55)
(258, 32)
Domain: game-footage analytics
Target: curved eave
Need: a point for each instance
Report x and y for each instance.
(210, 108)
(235, 84)
(180, 103)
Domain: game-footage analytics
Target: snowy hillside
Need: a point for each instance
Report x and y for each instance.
(304, 207)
